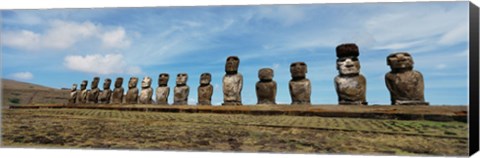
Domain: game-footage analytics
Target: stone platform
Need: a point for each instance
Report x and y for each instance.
(433, 113)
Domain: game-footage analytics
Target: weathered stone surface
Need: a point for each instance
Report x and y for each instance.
(163, 90)
(117, 95)
(147, 91)
(350, 85)
(266, 88)
(73, 94)
(405, 84)
(181, 90)
(299, 85)
(106, 94)
(94, 91)
(83, 92)
(132, 93)
(205, 90)
(232, 82)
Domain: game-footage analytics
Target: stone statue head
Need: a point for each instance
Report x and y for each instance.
(95, 82)
(348, 66)
(118, 82)
(205, 78)
(231, 66)
(107, 83)
(182, 79)
(347, 62)
(132, 83)
(146, 82)
(163, 79)
(298, 70)
(83, 85)
(74, 88)
(400, 61)
(265, 74)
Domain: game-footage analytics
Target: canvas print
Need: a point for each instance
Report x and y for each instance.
(358, 78)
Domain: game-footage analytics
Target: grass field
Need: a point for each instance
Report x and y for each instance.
(92, 128)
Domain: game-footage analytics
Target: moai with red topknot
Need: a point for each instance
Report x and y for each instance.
(351, 86)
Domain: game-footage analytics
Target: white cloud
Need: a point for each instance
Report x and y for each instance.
(21, 39)
(22, 75)
(432, 23)
(100, 64)
(286, 15)
(459, 34)
(441, 66)
(115, 38)
(61, 35)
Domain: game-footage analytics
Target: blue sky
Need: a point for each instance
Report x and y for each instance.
(59, 47)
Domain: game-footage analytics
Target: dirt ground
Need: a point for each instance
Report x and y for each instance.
(112, 129)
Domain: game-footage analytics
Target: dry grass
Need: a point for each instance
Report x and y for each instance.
(21, 93)
(88, 128)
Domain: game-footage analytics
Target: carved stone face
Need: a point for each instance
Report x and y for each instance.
(182, 79)
(400, 61)
(84, 84)
(74, 87)
(146, 82)
(231, 66)
(163, 79)
(348, 66)
(205, 78)
(95, 82)
(118, 82)
(298, 70)
(265, 74)
(132, 83)
(106, 83)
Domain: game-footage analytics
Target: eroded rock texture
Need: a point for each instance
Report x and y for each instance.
(94, 91)
(405, 84)
(299, 85)
(117, 95)
(132, 93)
(266, 88)
(147, 91)
(106, 94)
(350, 85)
(82, 99)
(181, 90)
(232, 82)
(163, 90)
(73, 94)
(205, 90)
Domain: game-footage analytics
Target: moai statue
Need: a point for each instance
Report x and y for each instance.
(117, 95)
(266, 88)
(405, 84)
(94, 91)
(181, 90)
(350, 85)
(83, 92)
(132, 93)
(73, 94)
(163, 90)
(232, 82)
(300, 87)
(106, 94)
(147, 91)
(205, 90)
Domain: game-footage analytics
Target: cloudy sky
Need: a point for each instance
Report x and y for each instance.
(59, 47)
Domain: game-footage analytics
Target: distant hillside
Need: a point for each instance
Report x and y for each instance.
(17, 85)
(22, 93)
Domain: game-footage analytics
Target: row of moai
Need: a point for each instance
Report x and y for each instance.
(404, 84)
